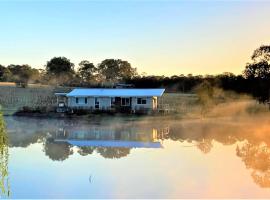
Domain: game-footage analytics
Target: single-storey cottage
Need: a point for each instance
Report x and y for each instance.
(114, 99)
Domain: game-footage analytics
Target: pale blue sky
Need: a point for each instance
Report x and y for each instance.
(157, 37)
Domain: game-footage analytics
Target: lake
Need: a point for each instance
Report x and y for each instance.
(118, 157)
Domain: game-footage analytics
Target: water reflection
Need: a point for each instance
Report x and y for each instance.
(4, 182)
(57, 151)
(252, 139)
(115, 139)
(109, 139)
(256, 158)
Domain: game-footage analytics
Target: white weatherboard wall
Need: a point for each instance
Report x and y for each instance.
(148, 105)
(104, 96)
(104, 103)
(90, 102)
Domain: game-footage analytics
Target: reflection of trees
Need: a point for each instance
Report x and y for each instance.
(4, 183)
(24, 140)
(257, 158)
(113, 152)
(205, 146)
(255, 152)
(61, 151)
(199, 133)
(57, 151)
(84, 151)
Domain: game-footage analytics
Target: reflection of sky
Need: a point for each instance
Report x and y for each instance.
(178, 170)
(201, 162)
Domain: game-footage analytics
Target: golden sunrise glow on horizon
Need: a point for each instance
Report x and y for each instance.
(157, 38)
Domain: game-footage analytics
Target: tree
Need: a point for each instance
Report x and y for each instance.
(116, 70)
(257, 73)
(261, 54)
(60, 70)
(205, 93)
(5, 74)
(59, 65)
(259, 68)
(87, 71)
(22, 74)
(4, 173)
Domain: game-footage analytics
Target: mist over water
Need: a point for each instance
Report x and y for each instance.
(228, 148)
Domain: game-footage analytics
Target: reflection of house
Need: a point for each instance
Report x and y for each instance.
(111, 99)
(102, 136)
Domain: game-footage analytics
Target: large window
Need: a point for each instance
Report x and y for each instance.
(125, 102)
(81, 100)
(141, 100)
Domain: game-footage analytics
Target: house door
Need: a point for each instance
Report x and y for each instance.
(97, 103)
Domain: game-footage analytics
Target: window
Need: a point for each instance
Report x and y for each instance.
(141, 100)
(112, 102)
(81, 100)
(96, 103)
(125, 102)
(61, 104)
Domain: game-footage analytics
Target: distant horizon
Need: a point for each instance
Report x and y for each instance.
(156, 37)
(76, 65)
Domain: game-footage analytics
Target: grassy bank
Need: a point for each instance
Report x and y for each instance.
(41, 98)
(14, 98)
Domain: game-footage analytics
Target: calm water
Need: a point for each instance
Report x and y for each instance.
(136, 158)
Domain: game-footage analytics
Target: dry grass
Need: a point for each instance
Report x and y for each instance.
(180, 103)
(14, 98)
(30, 85)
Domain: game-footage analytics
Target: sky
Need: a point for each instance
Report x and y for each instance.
(157, 37)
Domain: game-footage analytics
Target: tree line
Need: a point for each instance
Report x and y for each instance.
(254, 80)
(60, 71)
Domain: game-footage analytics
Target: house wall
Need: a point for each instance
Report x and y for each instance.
(136, 106)
(90, 103)
(104, 103)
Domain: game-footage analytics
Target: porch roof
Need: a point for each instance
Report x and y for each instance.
(101, 92)
(60, 94)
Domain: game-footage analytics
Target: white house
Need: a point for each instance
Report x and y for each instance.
(112, 99)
